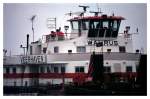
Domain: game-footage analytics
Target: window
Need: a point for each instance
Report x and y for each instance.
(117, 67)
(69, 51)
(39, 49)
(14, 69)
(44, 50)
(85, 25)
(122, 49)
(7, 70)
(103, 28)
(75, 25)
(81, 49)
(137, 51)
(48, 70)
(14, 83)
(94, 25)
(56, 49)
(55, 69)
(115, 24)
(129, 69)
(79, 69)
(42, 70)
(105, 24)
(26, 83)
(137, 68)
(63, 69)
(108, 50)
(30, 50)
(107, 69)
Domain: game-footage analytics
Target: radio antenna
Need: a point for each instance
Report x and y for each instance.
(32, 20)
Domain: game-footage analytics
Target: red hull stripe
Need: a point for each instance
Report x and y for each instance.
(59, 75)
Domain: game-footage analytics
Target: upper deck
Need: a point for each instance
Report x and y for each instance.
(65, 58)
(98, 18)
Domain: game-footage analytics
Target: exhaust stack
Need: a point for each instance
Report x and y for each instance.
(27, 42)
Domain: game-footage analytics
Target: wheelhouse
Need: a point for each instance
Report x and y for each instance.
(98, 26)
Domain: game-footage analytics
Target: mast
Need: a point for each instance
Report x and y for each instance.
(32, 20)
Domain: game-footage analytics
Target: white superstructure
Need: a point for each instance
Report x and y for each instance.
(57, 56)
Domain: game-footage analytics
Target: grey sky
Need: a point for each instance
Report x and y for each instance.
(17, 21)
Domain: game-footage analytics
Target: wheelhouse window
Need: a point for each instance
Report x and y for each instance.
(115, 26)
(94, 24)
(85, 25)
(75, 25)
(105, 24)
(79, 69)
(94, 28)
(104, 28)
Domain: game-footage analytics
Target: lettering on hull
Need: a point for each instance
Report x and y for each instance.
(33, 59)
(103, 43)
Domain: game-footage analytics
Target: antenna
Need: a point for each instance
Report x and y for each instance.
(97, 12)
(98, 9)
(51, 23)
(84, 8)
(137, 30)
(32, 20)
(4, 52)
(70, 13)
(127, 34)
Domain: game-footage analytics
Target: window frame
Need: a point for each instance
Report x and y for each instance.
(42, 69)
(107, 69)
(48, 69)
(31, 50)
(98, 27)
(109, 50)
(73, 25)
(7, 70)
(44, 50)
(81, 49)
(14, 70)
(128, 70)
(85, 24)
(56, 49)
(79, 68)
(56, 69)
(120, 49)
(63, 69)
